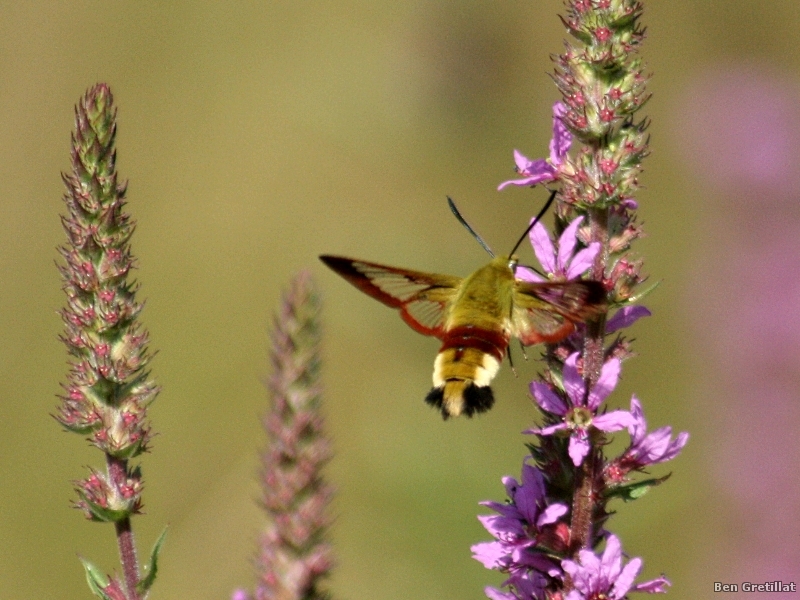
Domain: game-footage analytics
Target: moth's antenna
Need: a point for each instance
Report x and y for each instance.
(470, 229)
(535, 221)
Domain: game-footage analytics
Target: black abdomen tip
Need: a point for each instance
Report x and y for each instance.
(473, 400)
(477, 399)
(436, 399)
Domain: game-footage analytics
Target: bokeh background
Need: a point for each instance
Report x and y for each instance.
(257, 135)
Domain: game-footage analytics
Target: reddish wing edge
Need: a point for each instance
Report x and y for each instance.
(421, 297)
(548, 311)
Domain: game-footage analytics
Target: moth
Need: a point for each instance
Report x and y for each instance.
(475, 317)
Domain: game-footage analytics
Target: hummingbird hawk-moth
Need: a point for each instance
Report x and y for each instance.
(474, 317)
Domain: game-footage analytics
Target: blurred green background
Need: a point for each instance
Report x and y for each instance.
(257, 135)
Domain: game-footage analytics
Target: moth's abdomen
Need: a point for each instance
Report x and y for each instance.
(465, 366)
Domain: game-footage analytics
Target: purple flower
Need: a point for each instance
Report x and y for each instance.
(525, 585)
(626, 316)
(519, 526)
(580, 412)
(494, 594)
(605, 577)
(564, 263)
(655, 447)
(542, 170)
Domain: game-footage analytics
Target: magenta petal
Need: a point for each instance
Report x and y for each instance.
(530, 495)
(528, 506)
(511, 485)
(654, 586)
(609, 375)
(507, 510)
(625, 317)
(526, 274)
(582, 261)
(545, 175)
(532, 171)
(543, 248)
(578, 447)
(547, 399)
(529, 583)
(495, 594)
(624, 581)
(523, 162)
(573, 382)
(546, 430)
(638, 430)
(586, 572)
(505, 184)
(522, 556)
(566, 244)
(533, 481)
(613, 421)
(583, 579)
(655, 444)
(570, 567)
(498, 526)
(676, 446)
(611, 561)
(489, 554)
(551, 514)
(589, 561)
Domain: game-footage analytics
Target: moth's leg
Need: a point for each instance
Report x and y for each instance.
(511, 362)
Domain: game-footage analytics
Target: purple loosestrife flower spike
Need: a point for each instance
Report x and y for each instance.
(294, 554)
(108, 388)
(544, 170)
(596, 154)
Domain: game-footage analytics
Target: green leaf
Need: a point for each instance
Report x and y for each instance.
(102, 514)
(94, 576)
(578, 34)
(637, 297)
(624, 22)
(151, 568)
(96, 579)
(634, 491)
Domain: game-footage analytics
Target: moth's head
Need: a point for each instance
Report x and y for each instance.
(512, 262)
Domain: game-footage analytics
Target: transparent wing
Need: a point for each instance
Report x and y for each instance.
(422, 298)
(547, 312)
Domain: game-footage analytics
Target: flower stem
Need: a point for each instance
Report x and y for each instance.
(117, 473)
(593, 353)
(585, 493)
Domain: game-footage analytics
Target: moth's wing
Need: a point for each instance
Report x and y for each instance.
(422, 298)
(547, 311)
